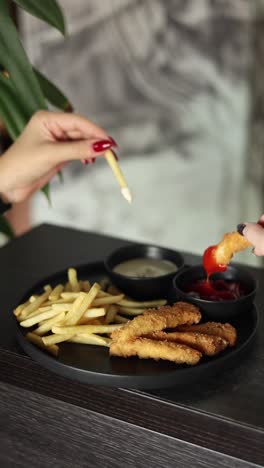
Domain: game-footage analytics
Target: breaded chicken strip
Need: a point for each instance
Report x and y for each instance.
(158, 319)
(146, 348)
(207, 344)
(224, 330)
(231, 243)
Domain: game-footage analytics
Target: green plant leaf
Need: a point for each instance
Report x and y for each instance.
(11, 109)
(13, 59)
(60, 176)
(46, 191)
(47, 10)
(52, 93)
(5, 227)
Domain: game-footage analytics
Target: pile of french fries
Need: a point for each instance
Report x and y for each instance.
(77, 312)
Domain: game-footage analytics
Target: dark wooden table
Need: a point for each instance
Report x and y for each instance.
(46, 420)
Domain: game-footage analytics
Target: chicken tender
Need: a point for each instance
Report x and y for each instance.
(158, 319)
(231, 243)
(223, 330)
(146, 348)
(207, 344)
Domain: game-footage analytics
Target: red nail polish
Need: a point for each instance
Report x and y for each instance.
(85, 161)
(102, 145)
(114, 143)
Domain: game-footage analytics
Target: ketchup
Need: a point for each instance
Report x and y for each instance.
(214, 290)
(209, 263)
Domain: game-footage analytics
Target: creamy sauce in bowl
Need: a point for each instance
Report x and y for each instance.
(145, 267)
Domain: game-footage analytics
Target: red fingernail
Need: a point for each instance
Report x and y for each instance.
(114, 143)
(85, 161)
(102, 145)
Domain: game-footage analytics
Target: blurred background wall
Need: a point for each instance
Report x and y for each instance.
(178, 84)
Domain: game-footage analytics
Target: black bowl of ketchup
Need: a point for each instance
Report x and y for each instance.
(225, 295)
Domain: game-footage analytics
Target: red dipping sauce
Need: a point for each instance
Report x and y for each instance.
(209, 263)
(214, 290)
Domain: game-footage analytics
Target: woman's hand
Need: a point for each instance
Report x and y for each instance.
(49, 141)
(254, 232)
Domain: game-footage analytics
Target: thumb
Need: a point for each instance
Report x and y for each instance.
(81, 149)
(255, 234)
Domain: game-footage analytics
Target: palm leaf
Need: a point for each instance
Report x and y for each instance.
(13, 59)
(46, 10)
(52, 93)
(6, 228)
(11, 109)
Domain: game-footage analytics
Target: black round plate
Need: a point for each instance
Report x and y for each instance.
(94, 365)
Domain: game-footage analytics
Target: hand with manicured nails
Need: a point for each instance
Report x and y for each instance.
(254, 233)
(48, 142)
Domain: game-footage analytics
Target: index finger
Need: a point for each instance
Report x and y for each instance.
(58, 123)
(255, 234)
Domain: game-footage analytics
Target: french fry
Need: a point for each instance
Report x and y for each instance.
(85, 329)
(94, 313)
(113, 163)
(37, 312)
(36, 340)
(107, 300)
(90, 321)
(82, 303)
(91, 339)
(62, 307)
(32, 298)
(103, 294)
(77, 312)
(43, 309)
(48, 324)
(17, 311)
(34, 305)
(68, 287)
(62, 301)
(73, 280)
(54, 339)
(131, 311)
(56, 292)
(85, 285)
(113, 290)
(136, 304)
(121, 319)
(33, 314)
(89, 316)
(37, 318)
(111, 313)
(70, 296)
(104, 283)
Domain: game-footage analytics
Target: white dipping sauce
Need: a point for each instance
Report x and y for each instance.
(145, 267)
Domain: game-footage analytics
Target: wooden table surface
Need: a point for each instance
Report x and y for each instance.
(47, 420)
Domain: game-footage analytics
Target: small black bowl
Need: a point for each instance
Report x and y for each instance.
(143, 288)
(217, 310)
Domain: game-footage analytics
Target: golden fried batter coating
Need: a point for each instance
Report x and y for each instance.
(146, 348)
(231, 243)
(158, 319)
(207, 344)
(223, 330)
